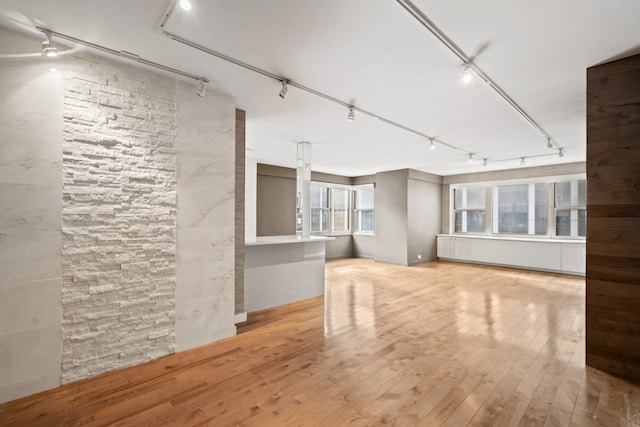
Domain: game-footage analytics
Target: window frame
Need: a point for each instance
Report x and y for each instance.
(330, 231)
(465, 210)
(356, 211)
(491, 206)
(573, 209)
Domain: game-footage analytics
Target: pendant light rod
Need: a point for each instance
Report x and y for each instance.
(122, 54)
(468, 61)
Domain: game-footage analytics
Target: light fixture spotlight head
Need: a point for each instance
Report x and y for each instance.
(284, 90)
(432, 146)
(561, 152)
(484, 162)
(202, 90)
(351, 116)
(185, 5)
(467, 73)
(522, 162)
(549, 144)
(48, 48)
(470, 158)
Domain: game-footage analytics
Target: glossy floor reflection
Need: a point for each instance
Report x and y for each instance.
(436, 344)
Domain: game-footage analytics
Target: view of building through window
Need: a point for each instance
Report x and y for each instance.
(522, 208)
(334, 208)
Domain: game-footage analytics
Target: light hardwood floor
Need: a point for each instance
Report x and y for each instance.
(436, 344)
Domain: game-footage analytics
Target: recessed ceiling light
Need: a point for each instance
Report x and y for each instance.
(185, 5)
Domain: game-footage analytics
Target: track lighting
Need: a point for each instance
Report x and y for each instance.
(561, 152)
(201, 88)
(185, 5)
(522, 162)
(432, 146)
(48, 48)
(467, 73)
(470, 158)
(549, 144)
(351, 116)
(284, 90)
(484, 162)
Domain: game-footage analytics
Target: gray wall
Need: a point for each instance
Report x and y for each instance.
(364, 246)
(340, 247)
(275, 201)
(408, 216)
(423, 216)
(391, 216)
(276, 205)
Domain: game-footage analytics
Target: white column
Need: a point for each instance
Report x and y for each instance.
(303, 190)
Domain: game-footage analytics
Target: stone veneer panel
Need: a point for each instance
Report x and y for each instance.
(205, 222)
(240, 219)
(118, 217)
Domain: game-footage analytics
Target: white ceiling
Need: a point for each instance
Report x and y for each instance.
(375, 55)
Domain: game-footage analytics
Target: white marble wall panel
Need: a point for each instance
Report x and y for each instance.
(205, 218)
(30, 217)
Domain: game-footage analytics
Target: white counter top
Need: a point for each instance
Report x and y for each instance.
(279, 240)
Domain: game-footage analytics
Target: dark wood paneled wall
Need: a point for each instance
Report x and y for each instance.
(613, 217)
(239, 224)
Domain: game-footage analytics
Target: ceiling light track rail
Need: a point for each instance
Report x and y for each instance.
(307, 89)
(122, 54)
(468, 61)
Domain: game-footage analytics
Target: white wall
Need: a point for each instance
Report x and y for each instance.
(205, 277)
(30, 218)
(95, 207)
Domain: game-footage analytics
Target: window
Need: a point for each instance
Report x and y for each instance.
(319, 209)
(340, 206)
(363, 212)
(469, 208)
(330, 208)
(520, 209)
(570, 208)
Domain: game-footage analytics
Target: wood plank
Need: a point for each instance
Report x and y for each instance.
(436, 344)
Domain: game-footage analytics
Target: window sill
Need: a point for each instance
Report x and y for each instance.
(518, 238)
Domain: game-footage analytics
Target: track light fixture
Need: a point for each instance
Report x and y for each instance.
(522, 162)
(48, 48)
(467, 73)
(201, 88)
(284, 90)
(185, 5)
(484, 162)
(432, 146)
(470, 158)
(549, 144)
(561, 152)
(351, 116)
